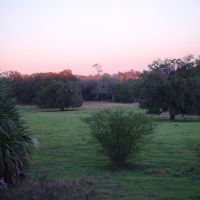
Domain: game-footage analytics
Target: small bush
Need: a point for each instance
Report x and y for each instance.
(119, 133)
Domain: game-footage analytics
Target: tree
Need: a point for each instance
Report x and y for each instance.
(169, 86)
(58, 94)
(105, 88)
(89, 89)
(190, 71)
(25, 87)
(121, 91)
(98, 67)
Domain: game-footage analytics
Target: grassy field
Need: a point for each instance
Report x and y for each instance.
(168, 167)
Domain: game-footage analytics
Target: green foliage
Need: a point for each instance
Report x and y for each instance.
(105, 88)
(171, 85)
(126, 91)
(110, 88)
(24, 88)
(119, 133)
(121, 92)
(58, 94)
(16, 143)
(89, 89)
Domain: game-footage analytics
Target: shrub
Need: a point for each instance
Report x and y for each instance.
(44, 189)
(16, 143)
(119, 134)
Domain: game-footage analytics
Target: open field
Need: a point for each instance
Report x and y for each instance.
(168, 168)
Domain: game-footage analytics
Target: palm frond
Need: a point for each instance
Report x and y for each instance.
(16, 142)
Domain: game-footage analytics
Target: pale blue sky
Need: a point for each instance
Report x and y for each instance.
(51, 35)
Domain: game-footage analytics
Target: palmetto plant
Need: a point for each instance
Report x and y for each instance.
(16, 143)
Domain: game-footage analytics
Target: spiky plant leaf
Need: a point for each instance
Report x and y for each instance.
(16, 142)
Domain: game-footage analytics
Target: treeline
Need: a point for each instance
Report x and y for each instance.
(169, 85)
(63, 89)
(109, 88)
(47, 90)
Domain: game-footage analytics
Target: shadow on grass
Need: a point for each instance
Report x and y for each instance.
(58, 110)
(178, 120)
(128, 166)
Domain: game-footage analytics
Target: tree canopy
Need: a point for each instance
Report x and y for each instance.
(58, 94)
(171, 85)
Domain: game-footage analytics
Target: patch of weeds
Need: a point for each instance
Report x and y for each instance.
(192, 172)
(79, 189)
(156, 171)
(43, 188)
(150, 194)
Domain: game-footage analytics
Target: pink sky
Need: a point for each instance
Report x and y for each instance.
(41, 36)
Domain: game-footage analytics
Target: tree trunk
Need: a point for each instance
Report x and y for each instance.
(172, 117)
(62, 109)
(113, 98)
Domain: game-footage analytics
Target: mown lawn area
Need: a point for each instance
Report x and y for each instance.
(167, 168)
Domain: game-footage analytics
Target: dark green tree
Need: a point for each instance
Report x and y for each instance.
(105, 88)
(58, 94)
(89, 89)
(171, 85)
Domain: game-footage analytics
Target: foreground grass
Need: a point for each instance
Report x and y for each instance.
(167, 168)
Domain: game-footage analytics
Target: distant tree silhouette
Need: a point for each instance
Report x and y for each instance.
(98, 67)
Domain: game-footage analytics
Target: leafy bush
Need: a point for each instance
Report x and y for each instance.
(16, 143)
(44, 189)
(119, 133)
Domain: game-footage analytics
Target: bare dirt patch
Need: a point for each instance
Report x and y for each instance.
(100, 104)
(87, 105)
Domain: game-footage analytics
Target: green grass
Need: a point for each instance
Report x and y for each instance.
(167, 168)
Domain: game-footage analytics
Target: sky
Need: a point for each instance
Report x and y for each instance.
(53, 35)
